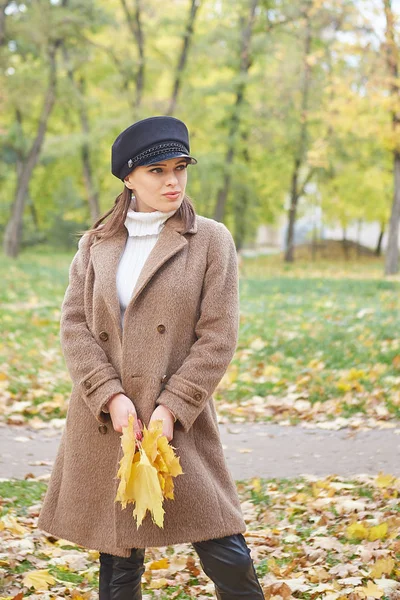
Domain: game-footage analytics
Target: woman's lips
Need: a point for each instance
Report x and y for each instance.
(172, 194)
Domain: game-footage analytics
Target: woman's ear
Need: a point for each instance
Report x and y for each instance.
(127, 183)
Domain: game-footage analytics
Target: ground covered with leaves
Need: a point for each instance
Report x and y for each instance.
(310, 538)
(318, 344)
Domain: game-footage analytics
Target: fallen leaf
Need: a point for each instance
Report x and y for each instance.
(163, 563)
(40, 579)
(371, 590)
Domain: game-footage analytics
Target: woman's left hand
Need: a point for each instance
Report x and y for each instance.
(164, 414)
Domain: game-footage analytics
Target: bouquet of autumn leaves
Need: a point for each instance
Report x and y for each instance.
(146, 471)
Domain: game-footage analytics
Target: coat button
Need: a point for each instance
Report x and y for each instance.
(197, 396)
(164, 378)
(87, 384)
(103, 335)
(103, 428)
(161, 328)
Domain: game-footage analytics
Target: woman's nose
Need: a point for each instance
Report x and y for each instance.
(172, 178)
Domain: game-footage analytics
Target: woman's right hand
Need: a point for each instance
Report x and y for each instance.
(120, 407)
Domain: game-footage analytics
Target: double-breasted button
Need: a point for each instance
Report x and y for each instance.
(161, 328)
(87, 384)
(164, 378)
(103, 428)
(197, 396)
(103, 335)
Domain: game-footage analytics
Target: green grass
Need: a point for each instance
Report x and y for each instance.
(18, 495)
(303, 328)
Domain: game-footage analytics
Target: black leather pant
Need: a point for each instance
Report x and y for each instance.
(226, 561)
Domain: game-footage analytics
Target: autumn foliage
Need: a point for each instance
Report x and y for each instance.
(146, 471)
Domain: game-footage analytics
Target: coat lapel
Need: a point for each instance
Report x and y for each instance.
(106, 255)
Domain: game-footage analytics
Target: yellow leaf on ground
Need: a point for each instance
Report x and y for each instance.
(385, 480)
(357, 531)
(157, 584)
(378, 532)
(383, 566)
(40, 579)
(163, 563)
(10, 523)
(371, 590)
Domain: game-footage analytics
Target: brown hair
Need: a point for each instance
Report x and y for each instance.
(119, 211)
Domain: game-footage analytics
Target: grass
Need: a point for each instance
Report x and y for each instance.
(325, 333)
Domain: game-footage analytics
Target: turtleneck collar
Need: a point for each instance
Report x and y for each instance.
(146, 223)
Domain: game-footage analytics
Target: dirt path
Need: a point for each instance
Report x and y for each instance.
(252, 450)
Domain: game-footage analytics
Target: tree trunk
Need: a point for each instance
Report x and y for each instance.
(289, 256)
(378, 249)
(294, 190)
(135, 26)
(241, 205)
(345, 245)
(3, 6)
(359, 228)
(91, 191)
(13, 231)
(195, 4)
(314, 242)
(392, 252)
(88, 179)
(245, 63)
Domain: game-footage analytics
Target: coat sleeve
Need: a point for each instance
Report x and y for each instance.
(187, 391)
(86, 361)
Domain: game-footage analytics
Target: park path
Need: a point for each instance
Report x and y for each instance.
(251, 450)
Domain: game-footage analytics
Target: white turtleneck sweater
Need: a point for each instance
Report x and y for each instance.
(143, 229)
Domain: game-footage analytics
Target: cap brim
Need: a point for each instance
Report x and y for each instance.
(167, 156)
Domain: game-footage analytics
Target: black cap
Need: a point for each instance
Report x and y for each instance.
(148, 141)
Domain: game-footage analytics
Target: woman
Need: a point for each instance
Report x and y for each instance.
(148, 326)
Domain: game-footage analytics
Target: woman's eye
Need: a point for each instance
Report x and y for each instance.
(159, 169)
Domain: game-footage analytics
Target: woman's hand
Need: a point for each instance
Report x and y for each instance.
(164, 414)
(120, 407)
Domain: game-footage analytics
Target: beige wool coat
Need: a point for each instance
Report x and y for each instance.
(179, 335)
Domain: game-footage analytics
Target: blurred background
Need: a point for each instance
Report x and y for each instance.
(292, 107)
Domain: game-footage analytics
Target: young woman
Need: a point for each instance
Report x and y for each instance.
(149, 326)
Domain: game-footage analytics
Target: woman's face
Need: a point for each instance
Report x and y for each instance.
(151, 183)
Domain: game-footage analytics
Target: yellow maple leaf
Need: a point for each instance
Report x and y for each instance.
(161, 479)
(39, 579)
(147, 492)
(128, 443)
(157, 584)
(10, 523)
(357, 531)
(169, 487)
(163, 563)
(147, 474)
(150, 437)
(384, 480)
(383, 566)
(167, 453)
(378, 532)
(371, 590)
